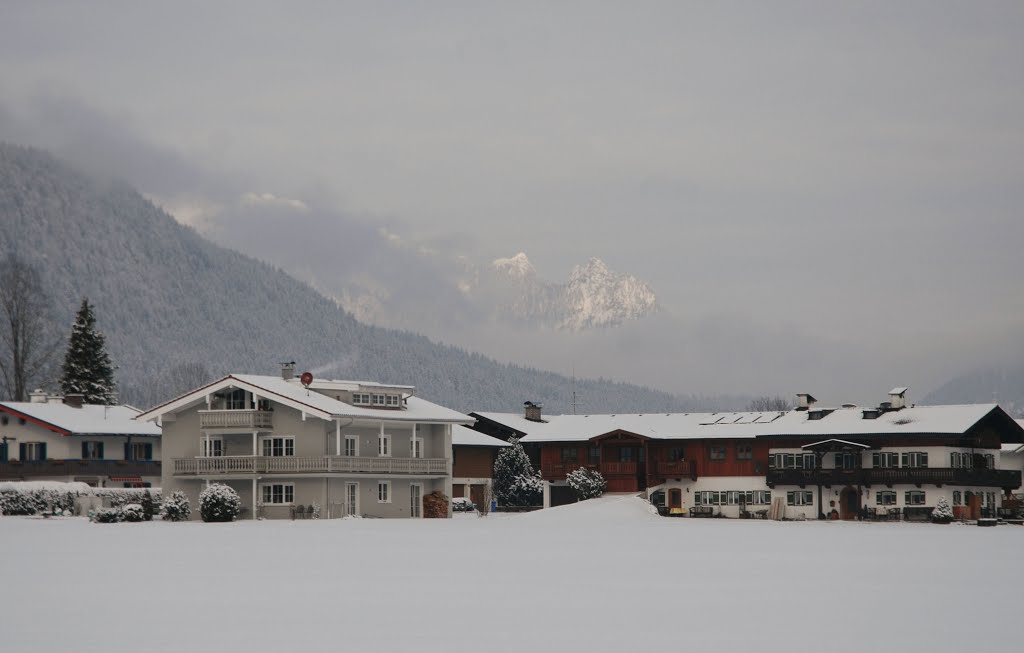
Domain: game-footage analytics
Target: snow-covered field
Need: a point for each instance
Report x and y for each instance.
(604, 575)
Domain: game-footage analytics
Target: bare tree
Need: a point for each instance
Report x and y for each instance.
(765, 404)
(28, 345)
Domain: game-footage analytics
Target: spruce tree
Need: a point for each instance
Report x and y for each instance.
(515, 482)
(87, 368)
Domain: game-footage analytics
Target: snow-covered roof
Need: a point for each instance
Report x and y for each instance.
(467, 437)
(90, 419)
(838, 423)
(292, 393)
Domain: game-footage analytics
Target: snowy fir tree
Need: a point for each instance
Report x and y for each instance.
(87, 368)
(586, 483)
(515, 482)
(942, 514)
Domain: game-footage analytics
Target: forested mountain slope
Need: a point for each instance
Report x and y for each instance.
(176, 307)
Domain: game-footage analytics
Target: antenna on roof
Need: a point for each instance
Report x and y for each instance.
(573, 404)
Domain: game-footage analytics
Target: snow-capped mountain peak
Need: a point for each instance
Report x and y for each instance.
(517, 267)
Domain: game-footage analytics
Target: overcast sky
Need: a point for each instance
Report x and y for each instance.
(851, 174)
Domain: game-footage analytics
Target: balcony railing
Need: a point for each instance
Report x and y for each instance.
(1001, 478)
(232, 419)
(618, 469)
(676, 469)
(556, 470)
(44, 468)
(308, 465)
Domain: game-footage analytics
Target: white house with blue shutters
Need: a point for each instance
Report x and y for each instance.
(55, 438)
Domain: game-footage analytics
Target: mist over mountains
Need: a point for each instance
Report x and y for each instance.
(176, 307)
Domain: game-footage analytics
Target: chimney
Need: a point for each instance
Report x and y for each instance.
(37, 396)
(805, 401)
(898, 398)
(288, 371)
(54, 399)
(74, 400)
(532, 411)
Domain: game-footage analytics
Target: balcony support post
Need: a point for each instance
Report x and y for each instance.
(254, 497)
(255, 449)
(337, 437)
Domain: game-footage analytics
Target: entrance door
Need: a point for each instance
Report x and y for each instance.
(352, 499)
(415, 500)
(849, 503)
(675, 499)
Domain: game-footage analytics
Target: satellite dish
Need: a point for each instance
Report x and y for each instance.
(306, 378)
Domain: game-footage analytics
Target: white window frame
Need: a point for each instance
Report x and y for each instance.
(93, 447)
(361, 399)
(33, 451)
(352, 507)
(384, 492)
(379, 400)
(915, 460)
(267, 494)
(889, 495)
(799, 498)
(394, 401)
(286, 439)
(883, 457)
(354, 439)
(915, 494)
(384, 445)
(415, 509)
(415, 446)
(213, 440)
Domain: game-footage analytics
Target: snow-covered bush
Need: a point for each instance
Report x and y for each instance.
(108, 516)
(435, 505)
(586, 483)
(133, 512)
(942, 514)
(148, 506)
(119, 497)
(219, 503)
(314, 511)
(515, 482)
(176, 507)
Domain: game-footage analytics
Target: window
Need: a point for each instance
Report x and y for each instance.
(278, 493)
(885, 498)
(416, 447)
(234, 400)
(415, 500)
(92, 450)
(29, 451)
(707, 498)
(627, 455)
(847, 460)
(383, 491)
(279, 446)
(384, 444)
(594, 455)
(956, 460)
(717, 452)
(379, 400)
(138, 451)
(744, 452)
(351, 498)
(915, 459)
(676, 454)
(394, 401)
(351, 445)
(136, 484)
(799, 498)
(913, 498)
(214, 447)
(958, 498)
(360, 399)
(569, 454)
(791, 461)
(885, 460)
(763, 497)
(990, 461)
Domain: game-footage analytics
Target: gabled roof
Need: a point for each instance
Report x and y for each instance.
(464, 436)
(291, 393)
(90, 419)
(846, 423)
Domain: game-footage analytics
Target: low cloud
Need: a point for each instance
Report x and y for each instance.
(269, 199)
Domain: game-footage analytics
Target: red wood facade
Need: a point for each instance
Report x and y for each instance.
(631, 463)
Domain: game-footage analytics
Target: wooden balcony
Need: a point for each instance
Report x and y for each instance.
(242, 420)
(47, 468)
(217, 465)
(619, 469)
(676, 469)
(563, 469)
(1000, 478)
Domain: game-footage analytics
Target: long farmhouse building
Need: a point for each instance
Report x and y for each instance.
(892, 460)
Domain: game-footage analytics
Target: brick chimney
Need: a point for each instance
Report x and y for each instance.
(532, 411)
(74, 400)
(288, 371)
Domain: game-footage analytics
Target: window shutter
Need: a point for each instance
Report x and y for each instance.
(127, 451)
(85, 450)
(21, 451)
(3, 452)
(149, 450)
(42, 451)
(905, 458)
(100, 451)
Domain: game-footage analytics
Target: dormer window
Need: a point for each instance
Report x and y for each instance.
(376, 400)
(360, 399)
(379, 400)
(394, 401)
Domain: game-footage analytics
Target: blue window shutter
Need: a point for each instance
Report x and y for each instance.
(42, 451)
(127, 451)
(3, 452)
(100, 452)
(149, 451)
(85, 447)
(21, 451)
